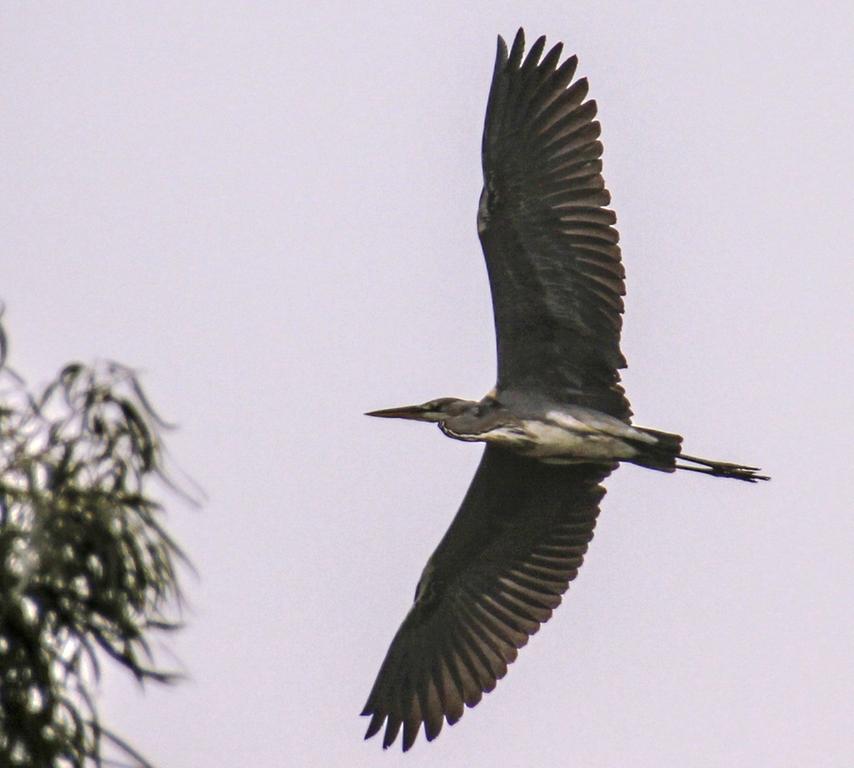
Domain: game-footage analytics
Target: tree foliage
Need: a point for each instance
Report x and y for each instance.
(86, 567)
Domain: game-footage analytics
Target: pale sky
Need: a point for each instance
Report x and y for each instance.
(270, 211)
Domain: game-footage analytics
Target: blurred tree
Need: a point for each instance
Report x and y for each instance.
(85, 565)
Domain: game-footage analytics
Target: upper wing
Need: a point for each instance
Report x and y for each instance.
(498, 573)
(551, 250)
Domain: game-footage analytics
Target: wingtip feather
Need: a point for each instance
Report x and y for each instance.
(375, 724)
(501, 52)
(517, 49)
(534, 53)
(391, 730)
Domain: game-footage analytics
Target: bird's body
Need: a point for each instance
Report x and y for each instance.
(556, 423)
(570, 435)
(561, 433)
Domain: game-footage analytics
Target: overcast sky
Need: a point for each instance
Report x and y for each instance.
(270, 211)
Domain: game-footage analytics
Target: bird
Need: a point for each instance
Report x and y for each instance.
(557, 421)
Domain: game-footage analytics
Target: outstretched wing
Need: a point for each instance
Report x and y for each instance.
(550, 245)
(498, 573)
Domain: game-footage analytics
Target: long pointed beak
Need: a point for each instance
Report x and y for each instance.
(415, 412)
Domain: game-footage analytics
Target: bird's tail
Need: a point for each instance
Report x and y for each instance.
(660, 455)
(667, 452)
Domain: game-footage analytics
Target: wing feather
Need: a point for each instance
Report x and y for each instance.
(496, 576)
(548, 238)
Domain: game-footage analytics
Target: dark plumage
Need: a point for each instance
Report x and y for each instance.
(557, 422)
(497, 574)
(550, 245)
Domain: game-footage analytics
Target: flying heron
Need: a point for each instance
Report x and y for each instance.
(557, 422)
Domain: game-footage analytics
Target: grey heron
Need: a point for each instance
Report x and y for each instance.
(557, 422)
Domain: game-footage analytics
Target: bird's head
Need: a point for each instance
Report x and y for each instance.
(433, 410)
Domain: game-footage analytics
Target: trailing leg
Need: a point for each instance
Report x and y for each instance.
(722, 469)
